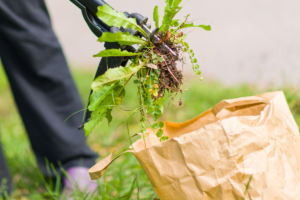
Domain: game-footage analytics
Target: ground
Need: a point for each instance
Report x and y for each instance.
(125, 179)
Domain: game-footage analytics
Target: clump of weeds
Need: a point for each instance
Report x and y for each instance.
(153, 66)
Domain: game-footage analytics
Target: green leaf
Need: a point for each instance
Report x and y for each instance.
(175, 22)
(160, 59)
(205, 27)
(159, 133)
(96, 117)
(114, 74)
(115, 53)
(198, 72)
(155, 126)
(108, 116)
(161, 124)
(164, 138)
(186, 44)
(180, 24)
(113, 18)
(119, 96)
(121, 38)
(159, 103)
(171, 9)
(154, 56)
(156, 16)
(105, 107)
(98, 96)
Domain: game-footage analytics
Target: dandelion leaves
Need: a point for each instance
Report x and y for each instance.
(113, 18)
(191, 25)
(156, 16)
(121, 38)
(98, 96)
(108, 92)
(109, 88)
(171, 9)
(115, 53)
(102, 103)
(114, 74)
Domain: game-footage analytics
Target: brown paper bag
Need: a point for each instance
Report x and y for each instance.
(250, 141)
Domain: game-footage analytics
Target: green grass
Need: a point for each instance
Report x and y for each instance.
(125, 177)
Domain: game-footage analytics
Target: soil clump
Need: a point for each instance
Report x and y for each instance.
(171, 78)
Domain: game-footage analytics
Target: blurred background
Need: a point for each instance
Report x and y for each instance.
(251, 41)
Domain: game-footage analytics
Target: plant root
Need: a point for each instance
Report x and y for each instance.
(171, 78)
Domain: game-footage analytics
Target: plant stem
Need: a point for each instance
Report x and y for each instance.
(142, 112)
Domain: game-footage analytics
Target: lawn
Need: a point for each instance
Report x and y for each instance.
(125, 178)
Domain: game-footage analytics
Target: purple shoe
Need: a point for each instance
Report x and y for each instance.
(78, 179)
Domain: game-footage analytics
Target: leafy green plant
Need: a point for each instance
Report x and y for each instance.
(153, 68)
(156, 16)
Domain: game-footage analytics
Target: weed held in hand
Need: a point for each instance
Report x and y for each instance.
(153, 67)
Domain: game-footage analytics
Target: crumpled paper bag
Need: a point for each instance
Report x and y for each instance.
(245, 148)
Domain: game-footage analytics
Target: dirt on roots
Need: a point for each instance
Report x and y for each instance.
(171, 78)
